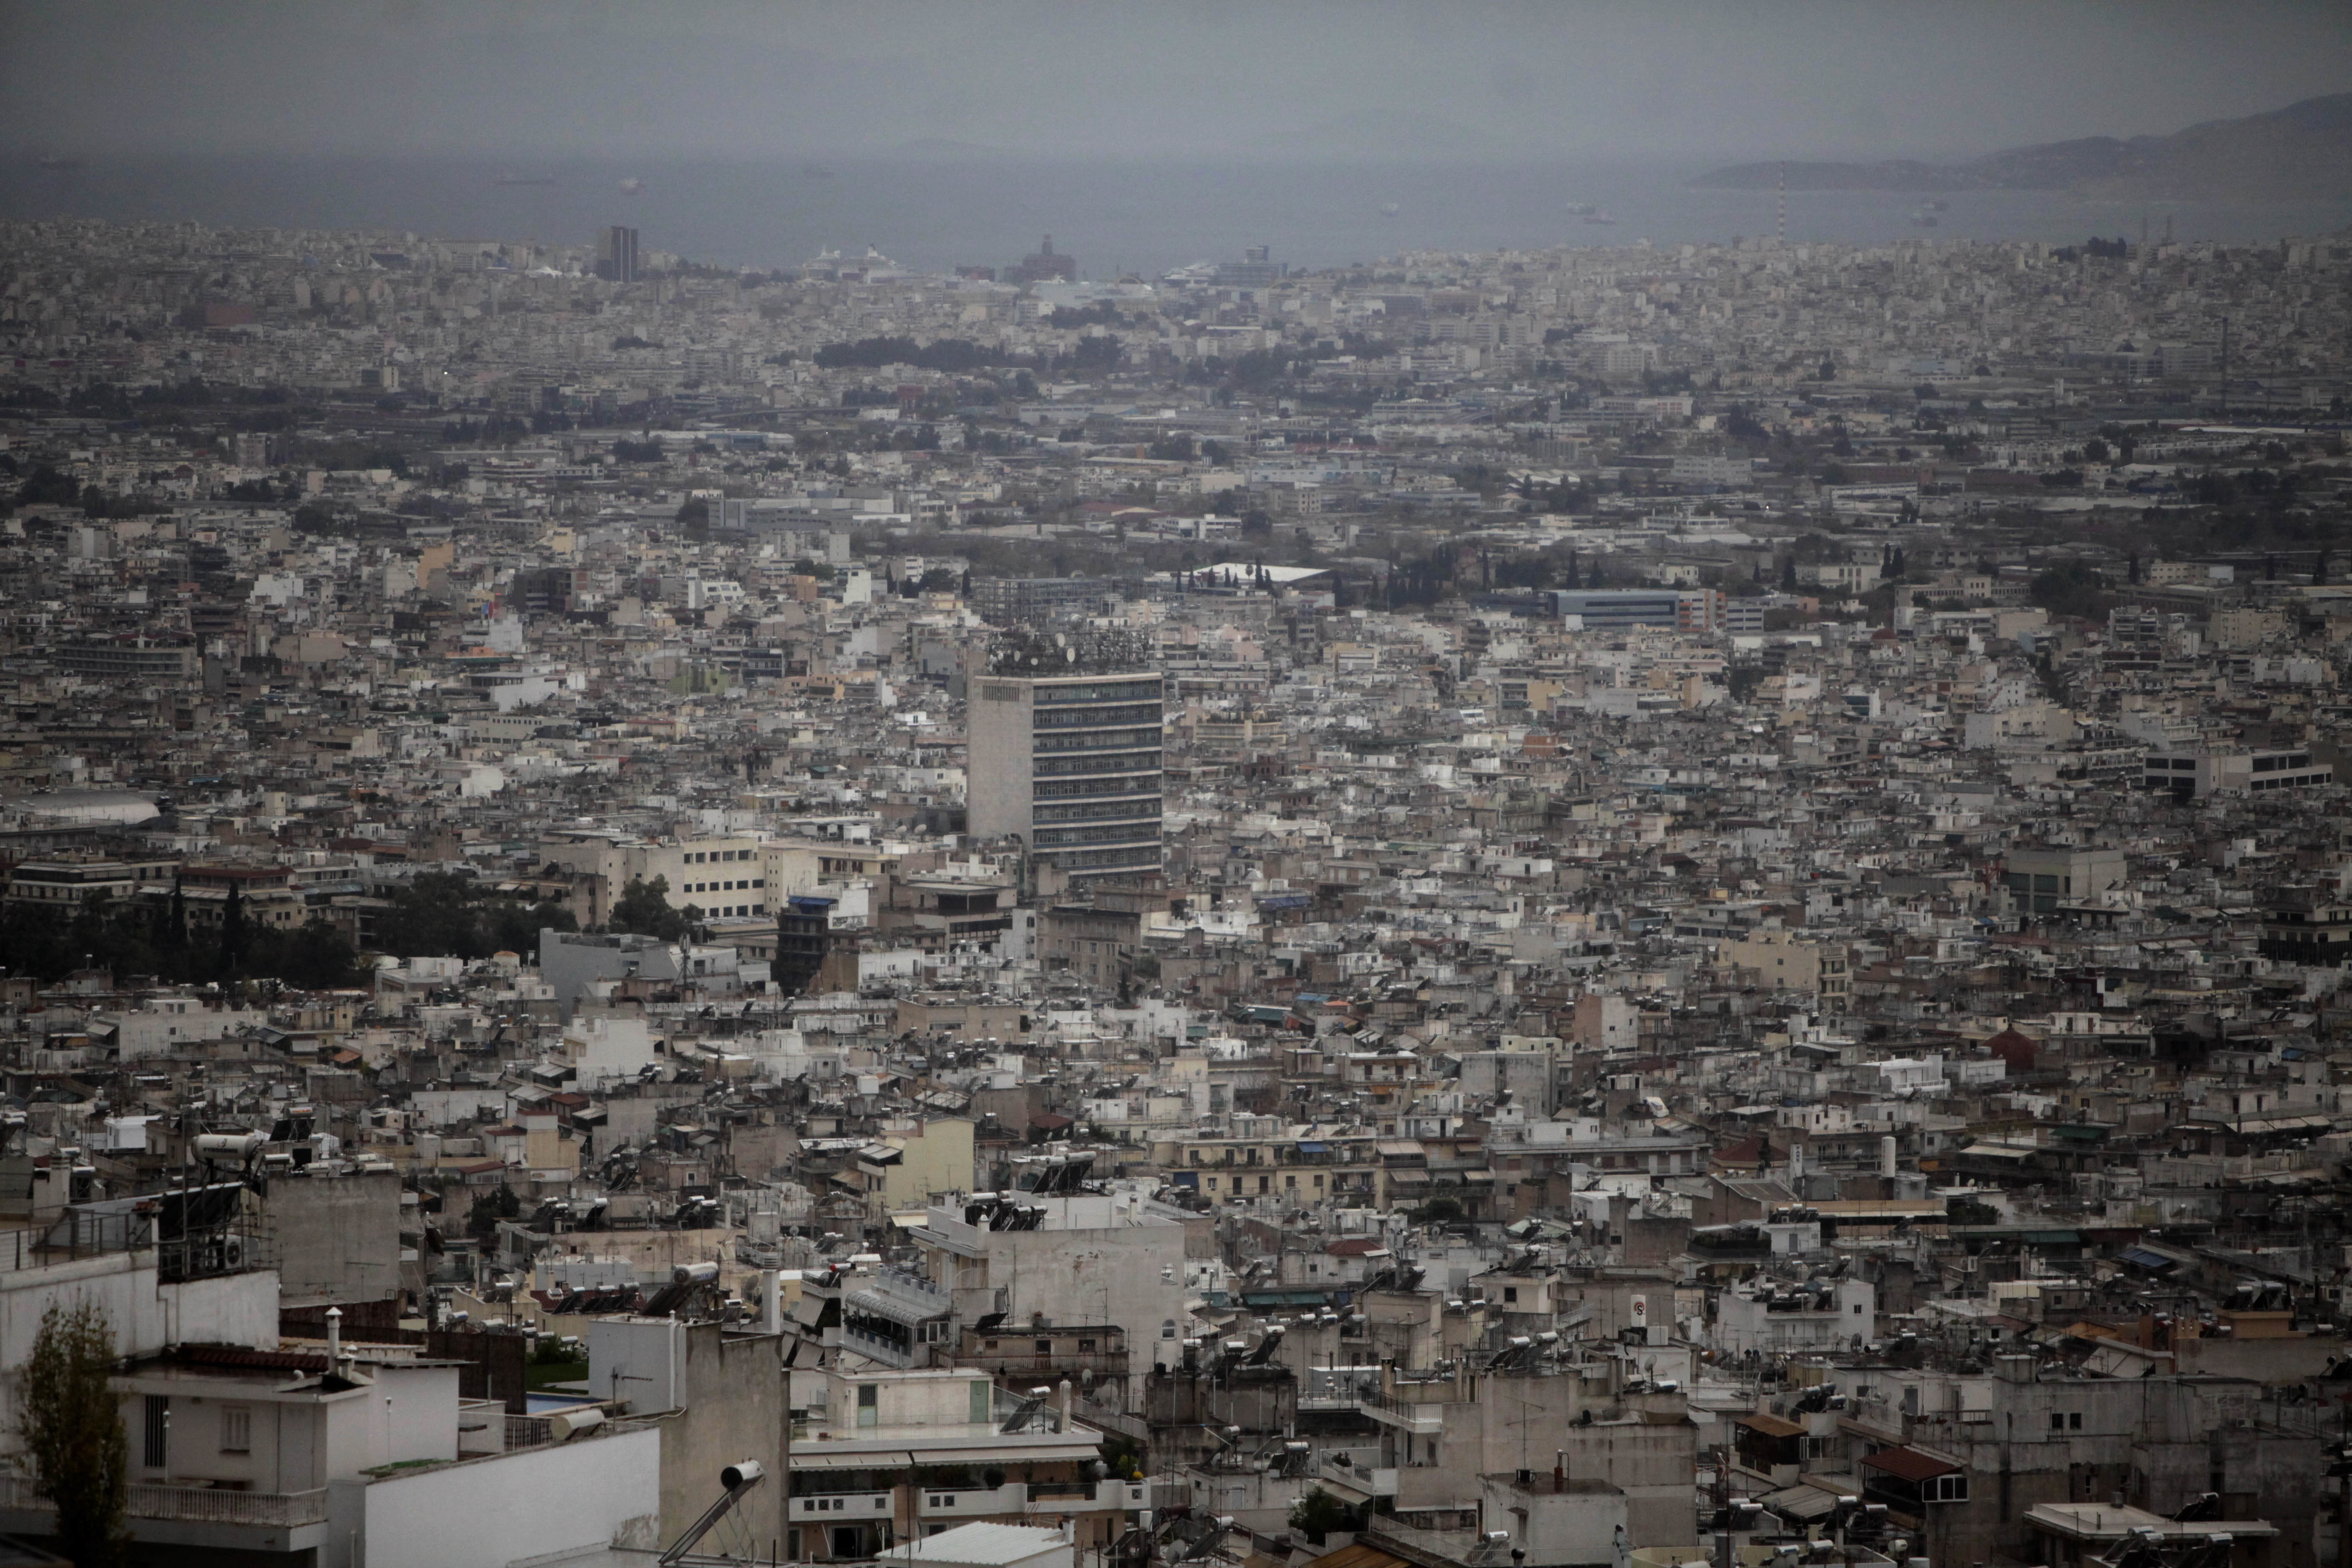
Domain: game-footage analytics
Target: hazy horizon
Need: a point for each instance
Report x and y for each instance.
(1694, 83)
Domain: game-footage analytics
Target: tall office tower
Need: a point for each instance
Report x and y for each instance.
(1065, 751)
(616, 253)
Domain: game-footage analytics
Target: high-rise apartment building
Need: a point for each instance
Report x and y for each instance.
(1072, 765)
(616, 253)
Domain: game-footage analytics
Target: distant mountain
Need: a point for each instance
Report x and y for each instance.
(2301, 152)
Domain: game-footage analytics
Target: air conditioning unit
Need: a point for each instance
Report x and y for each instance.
(233, 1252)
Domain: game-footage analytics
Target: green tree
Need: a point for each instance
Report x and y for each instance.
(232, 932)
(317, 957)
(433, 915)
(482, 1219)
(643, 909)
(1318, 1513)
(72, 1428)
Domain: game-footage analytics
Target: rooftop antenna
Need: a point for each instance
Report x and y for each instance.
(1783, 202)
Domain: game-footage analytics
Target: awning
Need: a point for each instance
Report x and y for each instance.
(1799, 1504)
(871, 1456)
(1910, 1464)
(1770, 1426)
(909, 1314)
(1315, 1148)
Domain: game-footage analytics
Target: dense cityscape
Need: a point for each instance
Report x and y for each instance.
(1617, 905)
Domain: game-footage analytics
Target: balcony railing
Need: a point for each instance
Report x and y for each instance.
(529, 1431)
(199, 1505)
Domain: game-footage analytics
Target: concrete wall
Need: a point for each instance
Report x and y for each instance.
(934, 1160)
(145, 1315)
(338, 1237)
(488, 1513)
(1113, 1275)
(734, 1399)
(997, 774)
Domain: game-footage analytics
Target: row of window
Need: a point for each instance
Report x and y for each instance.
(735, 885)
(1100, 691)
(708, 857)
(1099, 765)
(1096, 718)
(1099, 740)
(1130, 833)
(1125, 807)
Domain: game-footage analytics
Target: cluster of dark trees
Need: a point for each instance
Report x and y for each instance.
(444, 912)
(125, 938)
(435, 912)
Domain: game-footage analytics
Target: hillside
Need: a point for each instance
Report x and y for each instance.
(2301, 152)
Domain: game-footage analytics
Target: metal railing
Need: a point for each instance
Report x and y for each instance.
(212, 1506)
(200, 1505)
(529, 1431)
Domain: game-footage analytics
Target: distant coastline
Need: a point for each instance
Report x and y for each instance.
(2301, 152)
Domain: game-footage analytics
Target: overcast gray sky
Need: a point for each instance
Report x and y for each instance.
(647, 79)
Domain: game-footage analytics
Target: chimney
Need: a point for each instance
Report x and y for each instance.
(334, 1338)
(772, 1301)
(1065, 1403)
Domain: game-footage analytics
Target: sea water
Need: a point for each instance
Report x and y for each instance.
(1138, 216)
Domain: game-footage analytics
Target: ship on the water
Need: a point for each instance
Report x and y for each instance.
(632, 186)
(1581, 209)
(525, 179)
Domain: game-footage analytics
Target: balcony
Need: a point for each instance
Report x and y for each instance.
(836, 1507)
(973, 1502)
(208, 1505)
(190, 1505)
(1359, 1481)
(1422, 1417)
(1082, 1496)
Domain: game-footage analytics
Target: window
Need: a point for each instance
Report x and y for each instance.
(869, 1405)
(1044, 1347)
(1510, 1292)
(1857, 1309)
(156, 1432)
(2074, 1421)
(1945, 1489)
(236, 1429)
